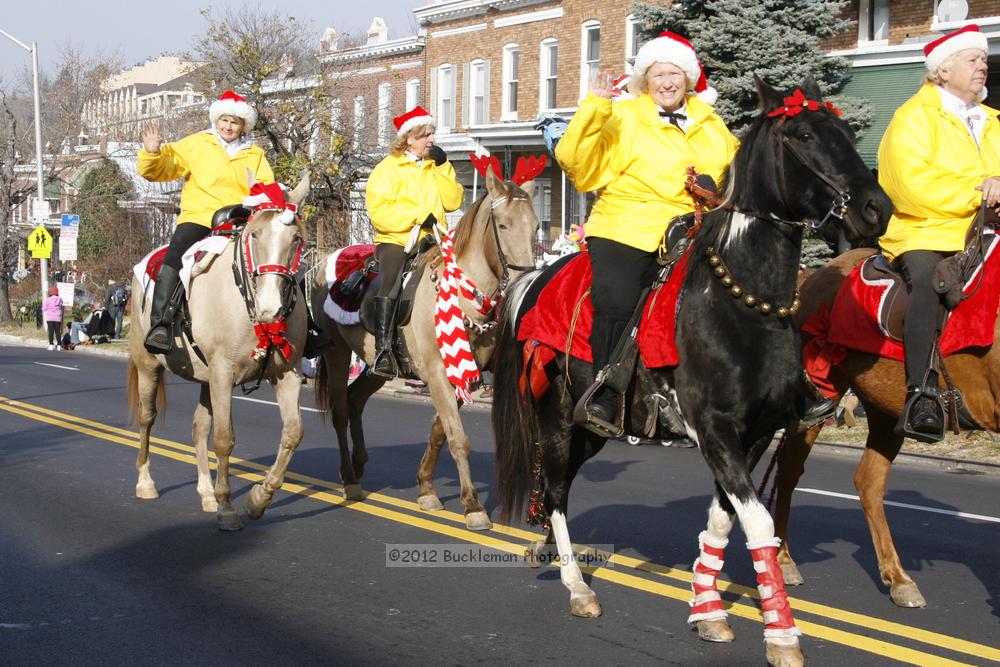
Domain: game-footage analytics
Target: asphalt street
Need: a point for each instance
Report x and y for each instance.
(90, 575)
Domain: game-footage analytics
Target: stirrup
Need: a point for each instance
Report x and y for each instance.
(582, 415)
(154, 345)
(903, 426)
(385, 356)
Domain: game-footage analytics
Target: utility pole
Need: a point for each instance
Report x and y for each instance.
(37, 210)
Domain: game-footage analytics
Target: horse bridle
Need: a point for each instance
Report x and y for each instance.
(246, 270)
(839, 206)
(507, 266)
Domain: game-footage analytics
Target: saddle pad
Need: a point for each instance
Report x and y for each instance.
(548, 321)
(340, 264)
(854, 318)
(195, 260)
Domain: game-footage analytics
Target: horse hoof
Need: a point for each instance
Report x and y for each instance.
(791, 574)
(784, 655)
(229, 521)
(353, 492)
(478, 521)
(715, 630)
(430, 503)
(146, 491)
(585, 606)
(907, 595)
(257, 502)
(209, 505)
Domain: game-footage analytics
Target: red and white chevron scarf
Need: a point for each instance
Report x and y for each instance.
(449, 320)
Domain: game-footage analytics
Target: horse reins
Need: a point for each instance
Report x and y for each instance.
(507, 266)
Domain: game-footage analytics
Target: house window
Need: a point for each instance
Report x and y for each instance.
(412, 93)
(384, 117)
(446, 96)
(549, 73)
(590, 54)
(478, 113)
(359, 121)
(873, 21)
(511, 64)
(632, 26)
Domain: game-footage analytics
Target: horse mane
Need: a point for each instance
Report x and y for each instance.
(463, 231)
(737, 192)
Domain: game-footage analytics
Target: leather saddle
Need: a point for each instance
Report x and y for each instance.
(409, 279)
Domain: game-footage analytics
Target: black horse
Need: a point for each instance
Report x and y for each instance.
(739, 373)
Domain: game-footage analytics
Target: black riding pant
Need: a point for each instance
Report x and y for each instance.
(390, 262)
(185, 236)
(924, 310)
(620, 274)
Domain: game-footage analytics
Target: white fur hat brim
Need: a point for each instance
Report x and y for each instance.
(960, 42)
(416, 121)
(664, 50)
(242, 110)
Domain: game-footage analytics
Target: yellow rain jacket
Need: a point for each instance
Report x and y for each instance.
(212, 179)
(401, 192)
(638, 164)
(930, 165)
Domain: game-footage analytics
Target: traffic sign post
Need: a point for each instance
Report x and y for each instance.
(68, 233)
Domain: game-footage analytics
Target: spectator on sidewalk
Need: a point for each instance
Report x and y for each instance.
(67, 337)
(52, 311)
(115, 298)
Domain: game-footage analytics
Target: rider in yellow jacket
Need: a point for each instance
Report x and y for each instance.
(635, 154)
(414, 186)
(939, 161)
(214, 166)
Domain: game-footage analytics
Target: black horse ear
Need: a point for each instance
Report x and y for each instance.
(769, 97)
(811, 89)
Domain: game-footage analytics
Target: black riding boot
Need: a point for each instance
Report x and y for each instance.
(166, 296)
(603, 406)
(385, 363)
(817, 408)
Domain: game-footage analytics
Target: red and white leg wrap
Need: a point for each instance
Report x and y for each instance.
(706, 604)
(778, 621)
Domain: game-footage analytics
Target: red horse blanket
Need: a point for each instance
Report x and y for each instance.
(853, 322)
(559, 303)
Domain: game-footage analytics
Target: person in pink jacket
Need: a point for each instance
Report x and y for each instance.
(52, 311)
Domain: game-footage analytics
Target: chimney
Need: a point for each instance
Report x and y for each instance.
(378, 33)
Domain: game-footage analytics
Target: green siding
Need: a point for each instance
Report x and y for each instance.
(886, 87)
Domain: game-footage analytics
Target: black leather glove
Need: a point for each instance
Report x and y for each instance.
(429, 221)
(437, 154)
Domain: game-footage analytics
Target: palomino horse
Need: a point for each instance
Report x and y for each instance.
(493, 238)
(881, 387)
(225, 321)
(739, 369)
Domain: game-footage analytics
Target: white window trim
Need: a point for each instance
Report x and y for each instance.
(359, 122)
(412, 93)
(584, 69)
(630, 22)
(384, 112)
(542, 71)
(506, 113)
(865, 8)
(470, 95)
(443, 127)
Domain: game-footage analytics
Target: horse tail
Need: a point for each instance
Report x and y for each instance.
(322, 391)
(515, 422)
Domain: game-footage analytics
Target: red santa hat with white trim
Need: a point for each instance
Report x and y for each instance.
(415, 117)
(231, 104)
(969, 37)
(669, 47)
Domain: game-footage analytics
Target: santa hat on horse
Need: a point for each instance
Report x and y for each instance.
(671, 48)
(231, 104)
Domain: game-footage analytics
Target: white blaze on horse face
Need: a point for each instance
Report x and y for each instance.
(738, 225)
(272, 248)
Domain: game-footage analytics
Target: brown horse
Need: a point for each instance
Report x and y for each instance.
(223, 329)
(881, 387)
(496, 234)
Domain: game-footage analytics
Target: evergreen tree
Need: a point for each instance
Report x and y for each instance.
(776, 39)
(101, 219)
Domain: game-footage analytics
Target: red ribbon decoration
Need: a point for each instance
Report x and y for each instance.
(797, 102)
(271, 334)
(819, 356)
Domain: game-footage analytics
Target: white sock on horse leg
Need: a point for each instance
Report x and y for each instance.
(569, 570)
(756, 521)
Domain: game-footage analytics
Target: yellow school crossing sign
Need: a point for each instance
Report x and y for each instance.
(40, 243)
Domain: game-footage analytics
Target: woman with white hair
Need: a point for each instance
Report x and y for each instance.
(939, 162)
(635, 154)
(213, 164)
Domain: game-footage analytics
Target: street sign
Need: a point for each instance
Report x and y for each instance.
(40, 243)
(66, 293)
(68, 232)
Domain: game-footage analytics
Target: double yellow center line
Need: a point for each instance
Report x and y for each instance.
(656, 579)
